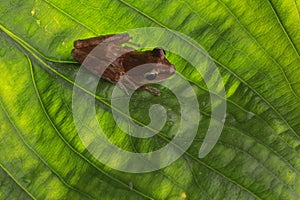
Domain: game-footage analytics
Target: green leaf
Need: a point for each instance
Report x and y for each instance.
(255, 45)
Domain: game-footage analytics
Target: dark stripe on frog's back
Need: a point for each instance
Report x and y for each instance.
(80, 44)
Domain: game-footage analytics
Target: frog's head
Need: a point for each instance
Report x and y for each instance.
(145, 67)
(161, 68)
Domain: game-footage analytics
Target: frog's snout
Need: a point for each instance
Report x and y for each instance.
(172, 70)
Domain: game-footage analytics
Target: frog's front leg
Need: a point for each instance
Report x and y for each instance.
(150, 89)
(123, 87)
(125, 83)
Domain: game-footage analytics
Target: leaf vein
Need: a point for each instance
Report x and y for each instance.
(263, 49)
(9, 174)
(283, 28)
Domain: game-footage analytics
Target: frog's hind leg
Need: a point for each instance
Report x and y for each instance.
(79, 55)
(92, 42)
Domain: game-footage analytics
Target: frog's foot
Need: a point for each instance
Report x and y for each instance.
(152, 90)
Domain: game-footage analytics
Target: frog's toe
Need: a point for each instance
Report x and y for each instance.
(152, 90)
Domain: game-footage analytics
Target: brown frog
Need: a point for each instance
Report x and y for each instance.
(124, 66)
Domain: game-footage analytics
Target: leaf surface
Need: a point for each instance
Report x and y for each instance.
(255, 45)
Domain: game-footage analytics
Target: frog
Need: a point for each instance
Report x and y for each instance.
(122, 65)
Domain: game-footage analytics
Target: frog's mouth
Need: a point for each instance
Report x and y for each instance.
(171, 70)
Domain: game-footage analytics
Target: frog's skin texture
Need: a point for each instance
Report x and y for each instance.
(127, 67)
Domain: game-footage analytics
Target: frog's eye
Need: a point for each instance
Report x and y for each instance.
(150, 77)
(159, 51)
